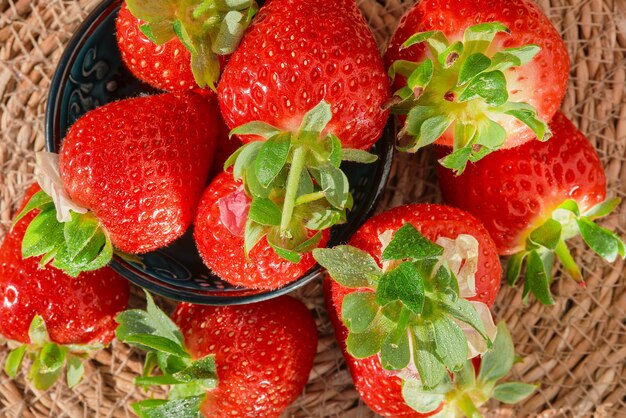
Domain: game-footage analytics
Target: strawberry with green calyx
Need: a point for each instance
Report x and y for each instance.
(534, 198)
(127, 180)
(207, 29)
(277, 176)
(219, 231)
(464, 392)
(54, 319)
(476, 76)
(413, 311)
(220, 360)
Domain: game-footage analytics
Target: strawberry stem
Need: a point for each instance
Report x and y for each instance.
(293, 180)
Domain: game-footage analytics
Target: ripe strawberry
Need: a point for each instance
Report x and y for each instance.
(244, 361)
(394, 284)
(224, 213)
(177, 47)
(131, 172)
(57, 318)
(476, 75)
(304, 91)
(535, 197)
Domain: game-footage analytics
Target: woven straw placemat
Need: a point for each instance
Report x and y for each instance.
(576, 350)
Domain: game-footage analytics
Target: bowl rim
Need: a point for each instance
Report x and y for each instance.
(153, 284)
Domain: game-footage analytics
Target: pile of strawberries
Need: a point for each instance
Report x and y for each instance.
(263, 105)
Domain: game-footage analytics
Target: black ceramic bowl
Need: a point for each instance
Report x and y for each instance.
(90, 74)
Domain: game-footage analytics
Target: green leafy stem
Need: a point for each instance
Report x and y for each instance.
(549, 240)
(466, 390)
(48, 358)
(407, 314)
(295, 182)
(207, 28)
(153, 331)
(75, 246)
(459, 86)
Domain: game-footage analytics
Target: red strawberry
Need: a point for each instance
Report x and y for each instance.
(535, 197)
(306, 81)
(219, 233)
(47, 310)
(251, 361)
(415, 296)
(489, 75)
(178, 47)
(139, 166)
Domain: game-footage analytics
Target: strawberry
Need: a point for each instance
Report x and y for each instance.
(178, 46)
(56, 318)
(129, 175)
(224, 213)
(476, 76)
(533, 198)
(412, 307)
(244, 361)
(304, 91)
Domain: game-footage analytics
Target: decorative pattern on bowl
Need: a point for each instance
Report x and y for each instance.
(90, 74)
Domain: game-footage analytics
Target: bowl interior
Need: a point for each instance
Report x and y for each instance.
(90, 74)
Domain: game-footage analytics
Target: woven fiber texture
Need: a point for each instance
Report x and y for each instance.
(575, 350)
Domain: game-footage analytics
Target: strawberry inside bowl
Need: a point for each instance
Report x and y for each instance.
(90, 74)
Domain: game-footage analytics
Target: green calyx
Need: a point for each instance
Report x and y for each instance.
(74, 246)
(459, 87)
(295, 183)
(466, 391)
(549, 240)
(48, 359)
(207, 28)
(411, 314)
(153, 331)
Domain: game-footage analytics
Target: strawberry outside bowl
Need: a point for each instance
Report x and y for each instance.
(91, 74)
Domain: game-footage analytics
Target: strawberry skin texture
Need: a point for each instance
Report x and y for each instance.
(223, 252)
(77, 310)
(379, 389)
(166, 66)
(540, 83)
(297, 53)
(141, 165)
(514, 191)
(264, 353)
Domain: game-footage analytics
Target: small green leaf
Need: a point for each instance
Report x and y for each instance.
(43, 235)
(75, 370)
(186, 390)
(37, 332)
(289, 255)
(264, 212)
(571, 206)
(425, 126)
(258, 128)
(409, 243)
(308, 245)
(52, 357)
(395, 353)
(537, 279)
(253, 234)
(402, 67)
(318, 218)
(419, 399)
(159, 380)
(158, 343)
(464, 311)
(490, 134)
(14, 360)
(230, 33)
(184, 37)
(158, 32)
(457, 160)
(358, 310)
(513, 57)
(602, 209)
(358, 156)
(151, 10)
(203, 370)
(450, 343)
(403, 283)
(370, 341)
(484, 32)
(38, 201)
(42, 380)
(429, 364)
(335, 184)
(602, 241)
(547, 235)
(316, 119)
(466, 377)
(349, 266)
(472, 66)
(420, 78)
(246, 158)
(272, 158)
(490, 86)
(527, 114)
(179, 408)
(514, 267)
(513, 392)
(336, 152)
(498, 360)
